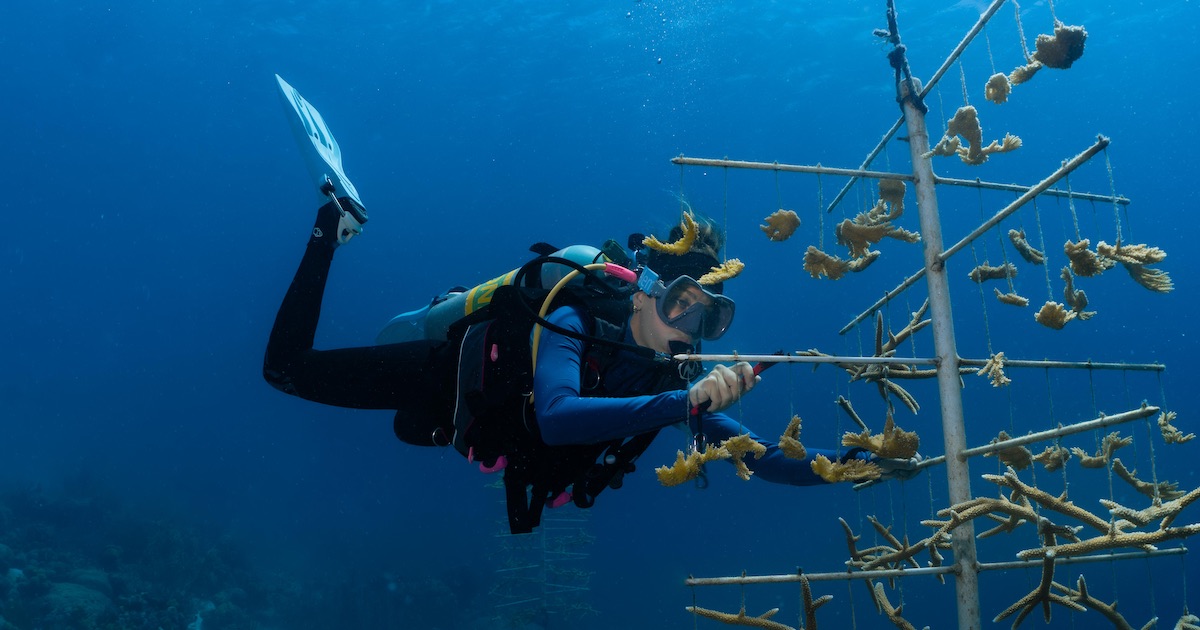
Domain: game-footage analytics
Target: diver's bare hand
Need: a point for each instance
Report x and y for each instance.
(723, 386)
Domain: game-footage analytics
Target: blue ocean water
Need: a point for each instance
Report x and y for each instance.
(157, 206)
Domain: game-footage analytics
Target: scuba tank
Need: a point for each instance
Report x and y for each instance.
(433, 321)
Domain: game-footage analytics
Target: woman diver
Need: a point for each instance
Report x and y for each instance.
(603, 383)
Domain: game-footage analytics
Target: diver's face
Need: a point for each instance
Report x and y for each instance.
(650, 331)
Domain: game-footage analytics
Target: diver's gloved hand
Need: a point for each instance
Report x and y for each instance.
(721, 387)
(902, 469)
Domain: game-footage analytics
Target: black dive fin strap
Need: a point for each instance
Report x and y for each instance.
(610, 474)
(523, 514)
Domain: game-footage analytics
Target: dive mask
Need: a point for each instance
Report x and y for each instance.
(679, 308)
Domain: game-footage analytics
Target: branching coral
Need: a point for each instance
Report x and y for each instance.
(892, 191)
(1053, 315)
(1109, 611)
(883, 605)
(987, 272)
(994, 368)
(1061, 49)
(681, 246)
(852, 470)
(1158, 491)
(1140, 254)
(1012, 299)
(1172, 435)
(1104, 455)
(741, 618)
(1156, 280)
(1077, 300)
(1053, 457)
(725, 271)
(817, 263)
(738, 446)
(1053, 51)
(858, 238)
(998, 88)
(1135, 258)
(781, 225)
(687, 468)
(894, 442)
(1085, 262)
(811, 605)
(1018, 457)
(1026, 250)
(789, 442)
(965, 123)
(1021, 74)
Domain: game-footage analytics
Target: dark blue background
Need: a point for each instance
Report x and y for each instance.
(156, 206)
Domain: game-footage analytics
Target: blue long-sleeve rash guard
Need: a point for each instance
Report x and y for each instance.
(566, 417)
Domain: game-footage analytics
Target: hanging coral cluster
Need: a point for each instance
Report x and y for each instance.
(965, 123)
(859, 234)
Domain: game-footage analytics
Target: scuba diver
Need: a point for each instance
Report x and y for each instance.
(563, 401)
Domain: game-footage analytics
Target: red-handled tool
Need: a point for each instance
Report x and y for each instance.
(758, 368)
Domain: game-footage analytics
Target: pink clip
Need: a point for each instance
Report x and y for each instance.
(501, 462)
(495, 352)
(560, 500)
(620, 272)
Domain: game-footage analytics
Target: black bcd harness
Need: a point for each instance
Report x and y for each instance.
(493, 416)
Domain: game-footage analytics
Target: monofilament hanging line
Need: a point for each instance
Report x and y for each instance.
(962, 77)
(820, 215)
(1037, 215)
(1021, 32)
(1071, 206)
(1112, 187)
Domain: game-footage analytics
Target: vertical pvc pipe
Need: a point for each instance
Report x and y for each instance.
(966, 582)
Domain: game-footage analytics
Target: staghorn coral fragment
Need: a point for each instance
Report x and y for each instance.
(965, 123)
(817, 263)
(789, 442)
(1077, 300)
(1104, 455)
(998, 88)
(1026, 250)
(1053, 315)
(1061, 49)
(741, 618)
(852, 470)
(681, 246)
(862, 262)
(687, 468)
(885, 607)
(894, 442)
(986, 272)
(1085, 262)
(1053, 458)
(1163, 490)
(811, 605)
(1187, 622)
(1156, 280)
(1016, 457)
(892, 191)
(1109, 611)
(737, 447)
(859, 238)
(1012, 299)
(780, 225)
(1165, 513)
(727, 270)
(1140, 254)
(994, 369)
(1021, 74)
(1172, 435)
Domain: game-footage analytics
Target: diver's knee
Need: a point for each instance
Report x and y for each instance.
(278, 380)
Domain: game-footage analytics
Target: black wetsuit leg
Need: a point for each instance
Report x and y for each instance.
(415, 378)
